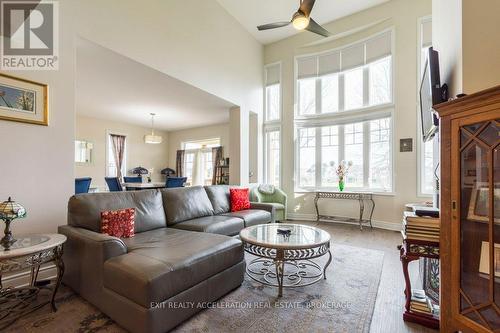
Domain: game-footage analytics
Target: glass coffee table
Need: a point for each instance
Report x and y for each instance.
(284, 261)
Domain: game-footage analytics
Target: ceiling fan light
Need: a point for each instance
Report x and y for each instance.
(300, 21)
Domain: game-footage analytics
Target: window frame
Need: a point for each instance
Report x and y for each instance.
(108, 147)
(268, 129)
(272, 125)
(201, 150)
(342, 116)
(341, 147)
(420, 144)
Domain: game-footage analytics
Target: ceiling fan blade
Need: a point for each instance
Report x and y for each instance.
(306, 7)
(273, 25)
(317, 29)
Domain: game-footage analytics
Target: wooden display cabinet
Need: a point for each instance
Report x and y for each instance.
(470, 212)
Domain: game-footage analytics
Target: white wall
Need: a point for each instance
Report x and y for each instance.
(193, 40)
(37, 162)
(403, 16)
(447, 40)
(138, 153)
(176, 138)
(466, 35)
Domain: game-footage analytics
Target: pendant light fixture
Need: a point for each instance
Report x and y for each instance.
(152, 138)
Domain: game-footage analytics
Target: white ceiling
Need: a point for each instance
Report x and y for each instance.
(112, 86)
(252, 13)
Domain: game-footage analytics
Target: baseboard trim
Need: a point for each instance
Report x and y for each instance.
(22, 278)
(376, 224)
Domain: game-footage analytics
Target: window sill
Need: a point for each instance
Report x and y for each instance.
(375, 193)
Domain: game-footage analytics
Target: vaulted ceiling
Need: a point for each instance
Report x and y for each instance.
(251, 13)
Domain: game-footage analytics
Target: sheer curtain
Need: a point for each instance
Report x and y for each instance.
(198, 178)
(118, 152)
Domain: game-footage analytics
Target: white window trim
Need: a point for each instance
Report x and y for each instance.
(183, 143)
(343, 117)
(420, 144)
(124, 165)
(273, 125)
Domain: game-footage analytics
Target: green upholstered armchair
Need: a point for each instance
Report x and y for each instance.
(277, 199)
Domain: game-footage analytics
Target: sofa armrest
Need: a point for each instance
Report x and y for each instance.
(265, 206)
(85, 252)
(280, 196)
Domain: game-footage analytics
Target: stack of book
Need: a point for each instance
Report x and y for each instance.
(421, 228)
(420, 303)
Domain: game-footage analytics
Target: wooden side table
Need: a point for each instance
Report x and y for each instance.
(412, 250)
(29, 252)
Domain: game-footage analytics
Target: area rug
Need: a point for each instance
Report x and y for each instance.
(344, 302)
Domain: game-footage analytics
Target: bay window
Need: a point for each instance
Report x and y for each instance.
(344, 108)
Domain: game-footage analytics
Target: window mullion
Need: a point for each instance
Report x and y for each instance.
(318, 169)
(366, 86)
(341, 143)
(366, 154)
(341, 92)
(319, 98)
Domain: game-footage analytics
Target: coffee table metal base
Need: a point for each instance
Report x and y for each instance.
(287, 268)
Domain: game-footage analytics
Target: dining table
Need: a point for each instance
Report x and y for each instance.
(143, 186)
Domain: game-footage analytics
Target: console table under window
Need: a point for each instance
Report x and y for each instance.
(361, 197)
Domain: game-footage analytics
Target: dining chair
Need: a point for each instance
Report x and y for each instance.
(135, 179)
(175, 182)
(114, 184)
(82, 185)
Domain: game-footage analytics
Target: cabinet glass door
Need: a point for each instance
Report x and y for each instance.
(480, 223)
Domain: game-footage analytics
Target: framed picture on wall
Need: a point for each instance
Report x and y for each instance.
(479, 205)
(23, 100)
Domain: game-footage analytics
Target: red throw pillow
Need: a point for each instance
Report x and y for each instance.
(118, 223)
(239, 199)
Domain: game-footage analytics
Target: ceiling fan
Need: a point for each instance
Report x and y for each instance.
(301, 20)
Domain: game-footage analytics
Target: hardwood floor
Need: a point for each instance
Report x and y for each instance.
(388, 313)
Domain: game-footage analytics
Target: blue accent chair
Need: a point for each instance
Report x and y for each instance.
(134, 179)
(114, 184)
(82, 185)
(175, 182)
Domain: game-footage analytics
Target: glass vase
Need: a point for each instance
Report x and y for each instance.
(341, 184)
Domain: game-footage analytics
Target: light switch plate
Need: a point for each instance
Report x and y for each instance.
(406, 145)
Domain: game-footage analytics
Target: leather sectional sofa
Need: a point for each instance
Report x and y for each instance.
(181, 253)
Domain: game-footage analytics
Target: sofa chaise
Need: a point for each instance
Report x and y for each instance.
(182, 252)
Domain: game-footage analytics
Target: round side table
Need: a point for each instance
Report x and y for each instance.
(285, 261)
(29, 252)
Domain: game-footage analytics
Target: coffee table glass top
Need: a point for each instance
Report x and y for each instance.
(301, 236)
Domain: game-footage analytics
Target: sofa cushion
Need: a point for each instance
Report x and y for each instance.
(219, 197)
(216, 224)
(164, 262)
(84, 210)
(186, 203)
(252, 216)
(239, 199)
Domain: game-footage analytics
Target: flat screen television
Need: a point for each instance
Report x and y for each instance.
(431, 93)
